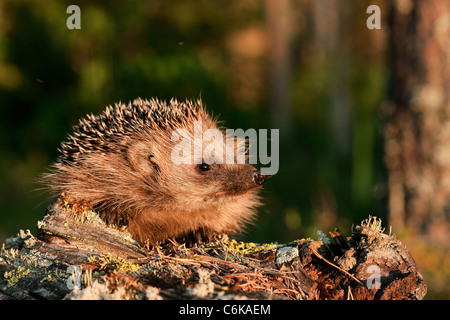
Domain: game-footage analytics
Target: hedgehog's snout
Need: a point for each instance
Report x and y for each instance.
(258, 177)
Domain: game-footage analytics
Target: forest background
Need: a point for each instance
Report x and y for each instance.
(312, 69)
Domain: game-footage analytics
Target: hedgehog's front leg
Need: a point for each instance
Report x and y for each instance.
(199, 236)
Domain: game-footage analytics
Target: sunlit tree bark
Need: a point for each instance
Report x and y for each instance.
(417, 132)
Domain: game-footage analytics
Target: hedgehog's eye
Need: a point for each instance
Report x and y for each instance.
(204, 167)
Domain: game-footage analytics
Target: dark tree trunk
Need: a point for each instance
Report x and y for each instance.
(417, 132)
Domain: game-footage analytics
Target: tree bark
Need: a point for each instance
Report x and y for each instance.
(417, 131)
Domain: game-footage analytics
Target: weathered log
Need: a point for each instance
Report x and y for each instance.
(77, 256)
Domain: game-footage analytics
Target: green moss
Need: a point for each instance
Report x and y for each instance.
(109, 261)
(49, 277)
(247, 247)
(13, 276)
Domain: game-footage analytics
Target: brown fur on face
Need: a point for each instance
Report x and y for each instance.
(120, 163)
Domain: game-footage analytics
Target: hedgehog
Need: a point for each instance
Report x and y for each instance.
(119, 162)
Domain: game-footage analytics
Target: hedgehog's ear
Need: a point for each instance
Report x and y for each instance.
(142, 158)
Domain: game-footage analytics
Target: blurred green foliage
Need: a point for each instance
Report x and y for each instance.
(50, 76)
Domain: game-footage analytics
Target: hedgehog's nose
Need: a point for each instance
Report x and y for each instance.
(258, 177)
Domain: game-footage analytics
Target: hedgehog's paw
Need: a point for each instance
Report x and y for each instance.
(199, 236)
